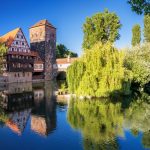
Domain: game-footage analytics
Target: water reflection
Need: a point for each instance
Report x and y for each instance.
(103, 122)
(18, 102)
(32, 112)
(43, 118)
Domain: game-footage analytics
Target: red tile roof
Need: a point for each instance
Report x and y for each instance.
(65, 60)
(14, 127)
(9, 37)
(42, 23)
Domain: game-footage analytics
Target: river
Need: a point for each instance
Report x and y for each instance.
(33, 118)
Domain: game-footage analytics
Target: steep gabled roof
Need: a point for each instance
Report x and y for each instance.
(9, 37)
(43, 23)
(14, 127)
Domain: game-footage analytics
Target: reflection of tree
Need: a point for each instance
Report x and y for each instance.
(138, 114)
(99, 121)
(137, 118)
(3, 116)
(146, 139)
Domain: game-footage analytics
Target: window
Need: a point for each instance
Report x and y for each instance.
(17, 36)
(16, 42)
(22, 43)
(23, 74)
(12, 49)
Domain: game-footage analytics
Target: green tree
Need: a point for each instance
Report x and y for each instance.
(75, 70)
(63, 52)
(140, 6)
(99, 72)
(138, 61)
(136, 35)
(147, 28)
(3, 50)
(101, 27)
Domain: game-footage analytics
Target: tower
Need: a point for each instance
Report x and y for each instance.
(43, 40)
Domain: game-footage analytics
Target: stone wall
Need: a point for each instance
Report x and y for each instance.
(19, 77)
(43, 40)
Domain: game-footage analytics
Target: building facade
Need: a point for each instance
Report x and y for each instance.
(43, 41)
(25, 63)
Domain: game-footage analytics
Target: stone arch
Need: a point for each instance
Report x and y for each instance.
(61, 75)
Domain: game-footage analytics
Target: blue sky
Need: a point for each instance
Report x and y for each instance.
(67, 16)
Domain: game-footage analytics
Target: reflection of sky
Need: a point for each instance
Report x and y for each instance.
(131, 142)
(63, 138)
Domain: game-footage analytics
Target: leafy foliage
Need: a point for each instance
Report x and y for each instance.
(140, 6)
(99, 72)
(136, 35)
(63, 52)
(138, 61)
(3, 50)
(147, 28)
(76, 70)
(102, 27)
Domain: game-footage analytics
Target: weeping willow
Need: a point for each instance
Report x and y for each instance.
(99, 72)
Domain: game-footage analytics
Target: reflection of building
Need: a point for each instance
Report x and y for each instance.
(43, 119)
(39, 125)
(17, 97)
(17, 120)
(17, 102)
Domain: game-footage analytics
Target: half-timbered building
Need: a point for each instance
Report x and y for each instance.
(24, 64)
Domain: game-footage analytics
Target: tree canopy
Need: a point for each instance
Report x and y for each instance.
(138, 61)
(99, 72)
(147, 28)
(102, 27)
(140, 6)
(136, 35)
(62, 52)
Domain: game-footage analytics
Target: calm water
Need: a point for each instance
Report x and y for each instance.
(31, 117)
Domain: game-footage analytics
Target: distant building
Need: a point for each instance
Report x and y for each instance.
(64, 63)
